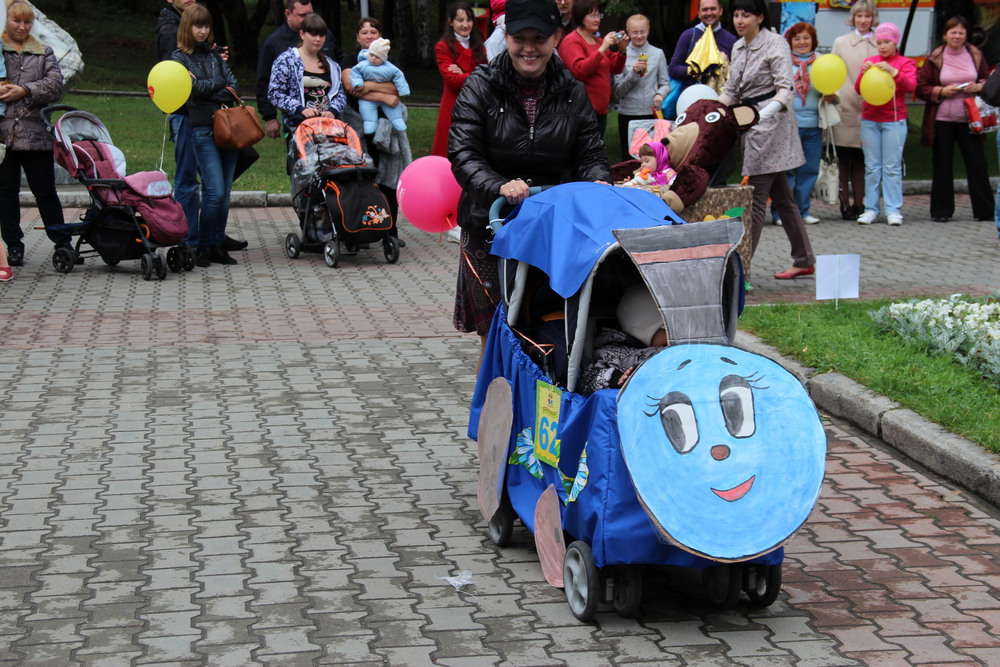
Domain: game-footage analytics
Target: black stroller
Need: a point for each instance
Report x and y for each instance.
(335, 196)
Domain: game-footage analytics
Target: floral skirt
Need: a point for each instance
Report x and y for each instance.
(478, 291)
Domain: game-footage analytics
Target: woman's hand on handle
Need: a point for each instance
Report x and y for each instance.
(515, 191)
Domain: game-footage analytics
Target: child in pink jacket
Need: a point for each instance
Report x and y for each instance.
(883, 129)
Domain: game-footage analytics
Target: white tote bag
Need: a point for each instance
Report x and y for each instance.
(827, 188)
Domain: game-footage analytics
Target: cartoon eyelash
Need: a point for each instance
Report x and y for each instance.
(754, 379)
(655, 405)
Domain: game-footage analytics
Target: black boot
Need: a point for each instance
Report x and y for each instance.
(220, 256)
(202, 257)
(234, 244)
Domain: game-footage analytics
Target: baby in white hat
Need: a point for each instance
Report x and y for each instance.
(617, 353)
(373, 65)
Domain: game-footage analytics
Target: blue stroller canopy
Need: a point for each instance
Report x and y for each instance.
(565, 230)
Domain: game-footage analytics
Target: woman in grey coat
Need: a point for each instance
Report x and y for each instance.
(761, 74)
(34, 81)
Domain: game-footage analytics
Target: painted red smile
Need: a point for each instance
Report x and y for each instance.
(736, 492)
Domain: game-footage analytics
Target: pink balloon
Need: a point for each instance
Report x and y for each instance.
(428, 194)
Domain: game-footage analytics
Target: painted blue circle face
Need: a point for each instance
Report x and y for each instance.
(725, 449)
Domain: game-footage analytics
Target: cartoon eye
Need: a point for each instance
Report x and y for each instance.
(736, 398)
(713, 117)
(679, 422)
(680, 119)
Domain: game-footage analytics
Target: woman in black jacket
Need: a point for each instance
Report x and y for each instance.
(210, 77)
(523, 119)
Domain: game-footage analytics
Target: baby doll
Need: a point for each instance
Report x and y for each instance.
(617, 353)
(654, 166)
(373, 65)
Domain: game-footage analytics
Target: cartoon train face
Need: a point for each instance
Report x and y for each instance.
(725, 449)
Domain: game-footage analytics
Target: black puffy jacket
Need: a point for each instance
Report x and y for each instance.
(167, 23)
(208, 88)
(491, 141)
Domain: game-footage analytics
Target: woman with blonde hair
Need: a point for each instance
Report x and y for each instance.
(855, 47)
(211, 79)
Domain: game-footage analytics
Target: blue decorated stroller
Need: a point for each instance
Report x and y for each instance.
(708, 457)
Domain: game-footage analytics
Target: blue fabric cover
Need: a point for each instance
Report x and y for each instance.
(564, 230)
(607, 514)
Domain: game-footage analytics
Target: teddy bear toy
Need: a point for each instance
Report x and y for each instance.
(701, 139)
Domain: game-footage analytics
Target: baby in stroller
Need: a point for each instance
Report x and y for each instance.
(373, 65)
(618, 353)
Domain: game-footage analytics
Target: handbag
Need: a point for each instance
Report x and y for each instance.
(828, 115)
(238, 126)
(827, 188)
(983, 117)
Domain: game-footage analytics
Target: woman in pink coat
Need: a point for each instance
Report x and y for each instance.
(883, 129)
(458, 52)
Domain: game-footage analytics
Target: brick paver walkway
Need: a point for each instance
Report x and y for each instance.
(266, 464)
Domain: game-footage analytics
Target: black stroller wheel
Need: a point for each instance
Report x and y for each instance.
(627, 590)
(293, 246)
(63, 260)
(111, 261)
(391, 249)
(723, 584)
(331, 253)
(175, 259)
(502, 523)
(146, 267)
(159, 266)
(188, 254)
(762, 583)
(581, 581)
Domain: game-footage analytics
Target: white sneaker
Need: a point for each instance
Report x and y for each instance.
(455, 234)
(867, 218)
(810, 220)
(894, 219)
(776, 221)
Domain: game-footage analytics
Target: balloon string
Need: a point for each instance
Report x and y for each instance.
(163, 143)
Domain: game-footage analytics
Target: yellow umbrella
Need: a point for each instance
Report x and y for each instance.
(706, 63)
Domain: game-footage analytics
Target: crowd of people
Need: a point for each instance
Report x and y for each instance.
(528, 104)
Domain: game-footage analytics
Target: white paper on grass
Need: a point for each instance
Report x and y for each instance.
(837, 276)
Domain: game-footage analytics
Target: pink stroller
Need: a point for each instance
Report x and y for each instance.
(130, 217)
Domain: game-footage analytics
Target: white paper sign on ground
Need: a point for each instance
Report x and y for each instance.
(837, 276)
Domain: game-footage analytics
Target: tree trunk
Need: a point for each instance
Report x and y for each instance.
(425, 39)
(243, 39)
(406, 43)
(389, 19)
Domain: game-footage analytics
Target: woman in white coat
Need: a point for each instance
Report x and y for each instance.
(855, 47)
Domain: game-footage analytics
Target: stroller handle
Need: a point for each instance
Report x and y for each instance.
(496, 221)
(47, 112)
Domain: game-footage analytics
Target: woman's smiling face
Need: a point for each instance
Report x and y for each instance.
(530, 51)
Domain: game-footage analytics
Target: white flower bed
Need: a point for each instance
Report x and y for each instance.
(967, 330)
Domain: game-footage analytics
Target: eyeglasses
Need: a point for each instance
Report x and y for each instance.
(638, 33)
(595, 15)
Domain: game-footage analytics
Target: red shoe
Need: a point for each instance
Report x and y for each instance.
(795, 272)
(6, 273)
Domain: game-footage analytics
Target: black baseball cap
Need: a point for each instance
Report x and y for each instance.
(543, 15)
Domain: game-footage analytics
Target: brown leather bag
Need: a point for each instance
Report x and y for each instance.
(238, 126)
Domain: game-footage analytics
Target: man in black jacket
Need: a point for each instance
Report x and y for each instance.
(167, 23)
(279, 41)
(186, 186)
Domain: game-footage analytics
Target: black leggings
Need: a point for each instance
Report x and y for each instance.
(40, 171)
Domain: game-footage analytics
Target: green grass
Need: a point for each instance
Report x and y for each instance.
(845, 340)
(137, 128)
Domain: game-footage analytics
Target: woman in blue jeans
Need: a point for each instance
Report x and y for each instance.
(210, 77)
(801, 37)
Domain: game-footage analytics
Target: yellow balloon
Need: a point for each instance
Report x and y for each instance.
(828, 73)
(169, 84)
(877, 87)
